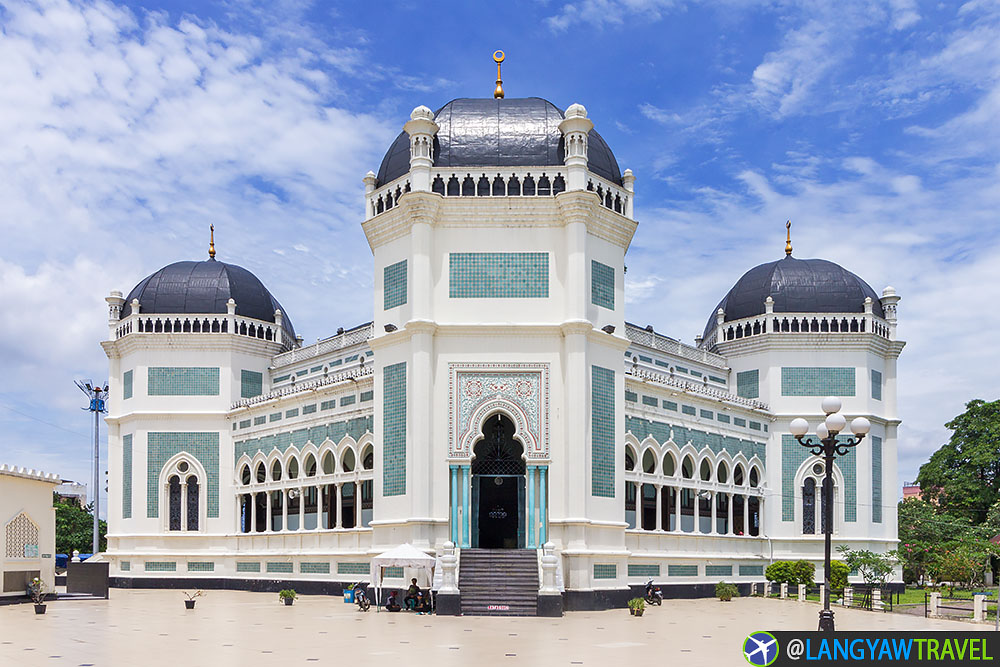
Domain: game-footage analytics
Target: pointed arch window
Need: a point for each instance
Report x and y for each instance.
(809, 506)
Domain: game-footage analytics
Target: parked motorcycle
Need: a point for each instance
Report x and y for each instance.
(360, 597)
(653, 594)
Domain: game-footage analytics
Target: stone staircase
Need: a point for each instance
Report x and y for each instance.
(499, 582)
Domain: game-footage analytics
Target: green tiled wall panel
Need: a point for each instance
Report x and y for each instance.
(394, 285)
(160, 566)
(650, 400)
(682, 570)
(201, 566)
(718, 570)
(817, 381)
(182, 381)
(643, 570)
(251, 384)
(314, 568)
(247, 567)
(258, 421)
(688, 410)
(125, 566)
(706, 414)
(294, 412)
(127, 476)
(748, 384)
(367, 396)
(353, 568)
(348, 400)
(641, 428)
(751, 570)
(602, 451)
(670, 405)
(394, 430)
(631, 396)
(605, 571)
(876, 385)
(279, 567)
(335, 431)
(792, 456)
(602, 285)
(203, 446)
(309, 409)
(245, 423)
(498, 275)
(393, 573)
(127, 385)
(328, 405)
(876, 479)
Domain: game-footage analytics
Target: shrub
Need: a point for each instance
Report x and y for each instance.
(726, 592)
(637, 604)
(791, 572)
(287, 594)
(838, 575)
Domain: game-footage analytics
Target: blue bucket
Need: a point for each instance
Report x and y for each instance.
(349, 596)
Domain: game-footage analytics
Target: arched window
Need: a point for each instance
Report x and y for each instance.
(706, 470)
(348, 460)
(738, 475)
(175, 502)
(754, 477)
(368, 458)
(809, 506)
(629, 459)
(261, 473)
(329, 467)
(245, 474)
(687, 468)
(649, 461)
(668, 464)
(310, 466)
(276, 471)
(722, 475)
(192, 502)
(293, 468)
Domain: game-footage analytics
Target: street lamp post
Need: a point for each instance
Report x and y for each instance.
(98, 396)
(829, 447)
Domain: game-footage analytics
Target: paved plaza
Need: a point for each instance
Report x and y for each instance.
(151, 628)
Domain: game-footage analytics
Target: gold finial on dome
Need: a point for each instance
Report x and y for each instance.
(211, 242)
(788, 241)
(498, 57)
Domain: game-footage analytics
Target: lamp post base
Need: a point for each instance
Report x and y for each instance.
(826, 620)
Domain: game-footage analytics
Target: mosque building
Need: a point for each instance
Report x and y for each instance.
(499, 400)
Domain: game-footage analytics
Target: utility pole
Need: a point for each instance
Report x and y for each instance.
(97, 395)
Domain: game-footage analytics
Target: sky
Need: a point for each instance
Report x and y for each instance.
(127, 129)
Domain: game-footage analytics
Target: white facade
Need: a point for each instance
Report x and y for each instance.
(499, 322)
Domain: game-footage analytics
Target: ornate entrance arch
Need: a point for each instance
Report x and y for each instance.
(498, 485)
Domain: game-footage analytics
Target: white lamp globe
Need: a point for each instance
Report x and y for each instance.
(860, 426)
(821, 432)
(799, 427)
(831, 404)
(835, 423)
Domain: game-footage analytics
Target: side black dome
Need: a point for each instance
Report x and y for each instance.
(205, 287)
(518, 132)
(797, 286)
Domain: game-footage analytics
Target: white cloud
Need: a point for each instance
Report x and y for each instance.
(607, 12)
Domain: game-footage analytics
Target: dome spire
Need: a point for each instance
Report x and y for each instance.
(788, 241)
(498, 57)
(211, 241)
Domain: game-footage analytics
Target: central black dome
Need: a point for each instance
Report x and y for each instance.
(797, 286)
(518, 132)
(205, 287)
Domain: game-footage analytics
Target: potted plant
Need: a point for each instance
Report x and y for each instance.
(636, 606)
(37, 590)
(189, 603)
(726, 592)
(287, 596)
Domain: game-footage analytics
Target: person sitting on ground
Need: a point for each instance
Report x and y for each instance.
(412, 593)
(391, 604)
(425, 604)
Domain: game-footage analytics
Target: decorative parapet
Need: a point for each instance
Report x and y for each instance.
(798, 323)
(341, 340)
(655, 341)
(644, 375)
(30, 473)
(498, 182)
(197, 324)
(302, 387)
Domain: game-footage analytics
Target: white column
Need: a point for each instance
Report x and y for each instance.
(658, 523)
(339, 523)
(253, 513)
(729, 511)
(677, 509)
(284, 509)
(746, 515)
(267, 504)
(302, 508)
(713, 500)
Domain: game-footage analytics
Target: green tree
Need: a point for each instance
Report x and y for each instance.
(963, 476)
(75, 528)
(838, 575)
(874, 568)
(924, 529)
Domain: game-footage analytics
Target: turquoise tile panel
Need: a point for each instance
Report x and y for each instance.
(605, 571)
(718, 570)
(348, 400)
(367, 396)
(328, 405)
(643, 570)
(251, 384)
(294, 412)
(602, 285)
(724, 418)
(258, 421)
(876, 385)
(876, 479)
(336, 431)
(127, 476)
(688, 410)
(354, 568)
(125, 566)
(275, 416)
(717, 379)
(660, 431)
(279, 567)
(127, 385)
(393, 573)
(650, 400)
(792, 456)
(751, 570)
(309, 409)
(160, 566)
(670, 405)
(245, 423)
(748, 384)
(314, 568)
(498, 275)
(160, 447)
(706, 414)
(682, 570)
(201, 566)
(247, 567)
(631, 396)
(817, 381)
(282, 378)
(394, 430)
(739, 421)
(182, 381)
(394, 285)
(602, 456)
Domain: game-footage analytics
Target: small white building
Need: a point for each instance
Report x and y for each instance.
(499, 399)
(28, 541)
